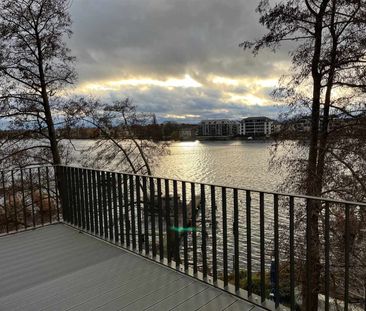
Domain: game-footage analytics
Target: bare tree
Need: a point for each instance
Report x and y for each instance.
(328, 59)
(123, 142)
(35, 67)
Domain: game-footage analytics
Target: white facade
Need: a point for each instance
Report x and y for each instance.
(219, 127)
(256, 126)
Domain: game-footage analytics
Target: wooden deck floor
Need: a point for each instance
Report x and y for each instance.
(57, 268)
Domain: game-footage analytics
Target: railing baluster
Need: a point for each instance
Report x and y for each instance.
(104, 198)
(146, 215)
(95, 200)
(73, 196)
(127, 217)
(120, 209)
(57, 171)
(346, 257)
(176, 224)
(133, 222)
(14, 201)
(276, 252)
(185, 225)
(48, 195)
(82, 197)
(32, 198)
(5, 205)
(224, 236)
(40, 194)
(248, 204)
(86, 199)
(194, 233)
(152, 214)
(100, 203)
(167, 220)
(326, 268)
(115, 208)
(236, 241)
(91, 201)
(213, 231)
(77, 197)
(203, 231)
(262, 252)
(160, 215)
(61, 183)
(110, 207)
(23, 199)
(308, 266)
(292, 255)
(138, 209)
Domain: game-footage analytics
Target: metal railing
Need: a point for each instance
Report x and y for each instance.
(28, 198)
(254, 244)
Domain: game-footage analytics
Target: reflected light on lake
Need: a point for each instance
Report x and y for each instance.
(235, 163)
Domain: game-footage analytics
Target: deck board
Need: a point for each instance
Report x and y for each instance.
(58, 268)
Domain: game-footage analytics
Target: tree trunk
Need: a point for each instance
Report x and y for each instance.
(311, 275)
(46, 105)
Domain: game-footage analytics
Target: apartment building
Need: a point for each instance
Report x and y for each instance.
(256, 126)
(219, 128)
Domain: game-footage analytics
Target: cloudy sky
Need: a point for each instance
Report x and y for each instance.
(177, 58)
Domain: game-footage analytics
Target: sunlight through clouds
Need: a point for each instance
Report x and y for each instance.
(186, 82)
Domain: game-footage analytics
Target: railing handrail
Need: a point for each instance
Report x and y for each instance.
(300, 196)
(27, 168)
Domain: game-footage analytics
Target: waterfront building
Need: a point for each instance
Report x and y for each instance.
(256, 126)
(219, 128)
(188, 133)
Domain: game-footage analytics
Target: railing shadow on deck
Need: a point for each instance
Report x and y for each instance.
(251, 243)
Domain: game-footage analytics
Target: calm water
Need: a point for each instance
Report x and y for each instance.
(234, 163)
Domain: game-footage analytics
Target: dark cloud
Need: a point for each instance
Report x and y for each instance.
(119, 39)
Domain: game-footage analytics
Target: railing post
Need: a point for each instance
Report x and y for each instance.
(276, 252)
(138, 209)
(203, 231)
(249, 242)
(185, 224)
(346, 257)
(5, 204)
(326, 268)
(262, 251)
(194, 233)
(152, 213)
(160, 215)
(292, 256)
(213, 233)
(224, 236)
(236, 241)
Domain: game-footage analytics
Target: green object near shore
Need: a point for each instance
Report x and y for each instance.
(183, 229)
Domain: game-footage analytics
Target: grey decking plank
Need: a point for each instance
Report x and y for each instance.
(159, 295)
(57, 268)
(114, 300)
(58, 292)
(71, 282)
(94, 294)
(179, 297)
(199, 300)
(54, 261)
(240, 305)
(219, 303)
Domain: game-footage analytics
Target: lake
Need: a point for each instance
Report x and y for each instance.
(234, 163)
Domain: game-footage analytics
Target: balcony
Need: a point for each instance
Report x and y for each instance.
(89, 239)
